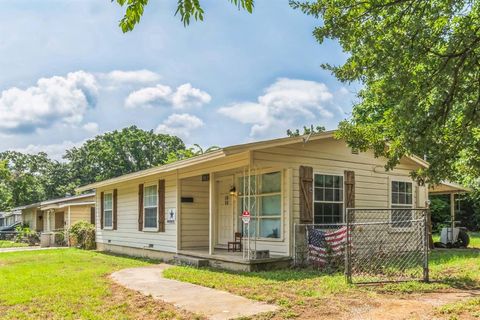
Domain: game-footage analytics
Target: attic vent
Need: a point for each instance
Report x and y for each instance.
(354, 151)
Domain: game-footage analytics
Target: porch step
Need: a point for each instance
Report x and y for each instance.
(190, 261)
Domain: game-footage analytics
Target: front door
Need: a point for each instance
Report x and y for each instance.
(225, 210)
(59, 220)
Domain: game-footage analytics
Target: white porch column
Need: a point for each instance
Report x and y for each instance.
(452, 209)
(69, 218)
(211, 207)
(48, 220)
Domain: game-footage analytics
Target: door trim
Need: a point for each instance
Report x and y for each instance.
(231, 179)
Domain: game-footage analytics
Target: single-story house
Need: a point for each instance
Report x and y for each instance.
(10, 218)
(58, 214)
(194, 207)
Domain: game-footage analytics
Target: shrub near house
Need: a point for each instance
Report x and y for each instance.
(82, 235)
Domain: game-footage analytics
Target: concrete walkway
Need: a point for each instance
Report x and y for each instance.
(214, 304)
(33, 248)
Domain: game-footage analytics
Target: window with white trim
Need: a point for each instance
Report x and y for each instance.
(328, 198)
(266, 207)
(401, 199)
(150, 207)
(108, 210)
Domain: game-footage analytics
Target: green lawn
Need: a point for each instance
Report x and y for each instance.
(72, 284)
(11, 244)
(299, 291)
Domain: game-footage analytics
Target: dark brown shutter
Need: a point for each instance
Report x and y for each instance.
(92, 215)
(306, 194)
(140, 207)
(101, 210)
(349, 189)
(114, 209)
(161, 205)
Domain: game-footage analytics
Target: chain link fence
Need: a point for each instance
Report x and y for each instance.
(373, 245)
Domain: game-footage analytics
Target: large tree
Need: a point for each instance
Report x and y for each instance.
(122, 151)
(419, 65)
(27, 178)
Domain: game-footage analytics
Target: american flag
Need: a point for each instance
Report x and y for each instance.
(326, 247)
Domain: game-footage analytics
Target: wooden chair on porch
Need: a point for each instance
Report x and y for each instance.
(237, 244)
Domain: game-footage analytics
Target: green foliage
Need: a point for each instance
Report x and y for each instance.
(83, 235)
(29, 178)
(6, 196)
(186, 9)
(440, 207)
(418, 63)
(306, 131)
(120, 152)
(26, 235)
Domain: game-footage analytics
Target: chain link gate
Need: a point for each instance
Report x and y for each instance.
(386, 245)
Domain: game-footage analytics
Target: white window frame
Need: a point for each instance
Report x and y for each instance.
(403, 206)
(333, 174)
(104, 210)
(150, 229)
(258, 201)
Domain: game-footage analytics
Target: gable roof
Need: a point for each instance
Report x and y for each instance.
(221, 153)
(54, 201)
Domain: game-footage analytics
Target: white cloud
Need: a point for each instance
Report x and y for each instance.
(54, 151)
(180, 125)
(185, 96)
(91, 127)
(136, 76)
(148, 97)
(287, 103)
(52, 100)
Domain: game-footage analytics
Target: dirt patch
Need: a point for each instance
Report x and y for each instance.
(413, 306)
(137, 306)
(375, 307)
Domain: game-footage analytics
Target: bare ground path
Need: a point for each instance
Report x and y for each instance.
(414, 306)
(214, 304)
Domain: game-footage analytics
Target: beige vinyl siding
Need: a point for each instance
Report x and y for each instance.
(78, 213)
(29, 217)
(195, 216)
(127, 233)
(372, 183)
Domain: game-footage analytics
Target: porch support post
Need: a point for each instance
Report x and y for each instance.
(48, 220)
(452, 212)
(211, 206)
(178, 206)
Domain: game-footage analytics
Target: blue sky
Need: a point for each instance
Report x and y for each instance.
(69, 73)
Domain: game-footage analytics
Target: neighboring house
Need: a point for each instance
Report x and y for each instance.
(193, 207)
(59, 214)
(2, 219)
(10, 218)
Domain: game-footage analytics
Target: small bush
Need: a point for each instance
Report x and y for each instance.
(26, 235)
(82, 235)
(59, 238)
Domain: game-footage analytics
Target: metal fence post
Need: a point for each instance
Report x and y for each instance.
(426, 247)
(348, 273)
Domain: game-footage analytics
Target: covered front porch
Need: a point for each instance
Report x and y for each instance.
(209, 218)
